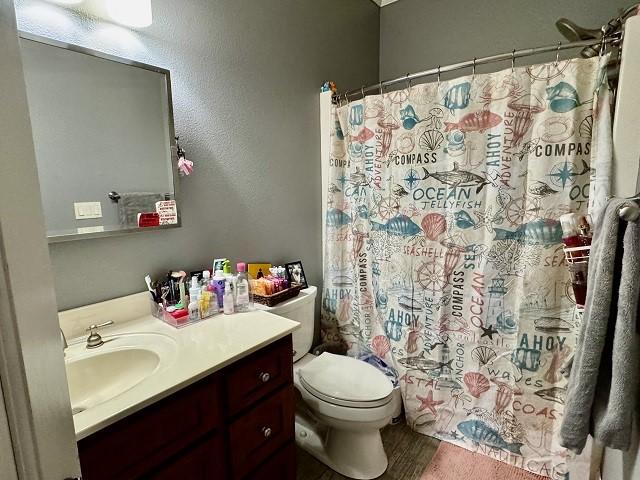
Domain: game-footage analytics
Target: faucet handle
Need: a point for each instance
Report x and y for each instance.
(100, 325)
(95, 340)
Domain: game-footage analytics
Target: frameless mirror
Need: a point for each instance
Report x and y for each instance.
(104, 140)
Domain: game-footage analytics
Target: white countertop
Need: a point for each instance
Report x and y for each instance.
(201, 349)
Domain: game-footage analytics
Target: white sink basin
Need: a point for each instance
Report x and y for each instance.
(123, 362)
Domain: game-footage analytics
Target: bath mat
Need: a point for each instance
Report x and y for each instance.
(456, 463)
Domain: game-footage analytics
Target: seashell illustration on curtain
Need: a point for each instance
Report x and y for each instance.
(444, 235)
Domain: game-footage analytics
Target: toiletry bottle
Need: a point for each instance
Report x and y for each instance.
(230, 277)
(218, 281)
(194, 297)
(570, 233)
(584, 227)
(206, 278)
(229, 299)
(242, 289)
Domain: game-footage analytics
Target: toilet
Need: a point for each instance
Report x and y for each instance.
(344, 401)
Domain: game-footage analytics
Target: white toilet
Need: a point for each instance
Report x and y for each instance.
(346, 401)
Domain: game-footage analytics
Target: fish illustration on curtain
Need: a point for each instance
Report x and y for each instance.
(444, 255)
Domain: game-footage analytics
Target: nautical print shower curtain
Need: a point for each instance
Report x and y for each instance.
(443, 252)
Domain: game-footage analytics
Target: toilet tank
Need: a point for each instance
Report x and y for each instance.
(300, 309)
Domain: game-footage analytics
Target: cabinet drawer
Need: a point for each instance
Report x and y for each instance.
(281, 466)
(131, 447)
(203, 461)
(259, 433)
(254, 377)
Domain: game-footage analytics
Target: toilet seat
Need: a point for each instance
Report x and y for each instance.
(342, 402)
(345, 381)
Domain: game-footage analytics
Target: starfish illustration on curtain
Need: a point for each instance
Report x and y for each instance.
(429, 403)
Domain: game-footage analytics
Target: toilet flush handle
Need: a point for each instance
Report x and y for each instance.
(264, 377)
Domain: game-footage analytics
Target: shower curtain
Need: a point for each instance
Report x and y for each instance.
(444, 260)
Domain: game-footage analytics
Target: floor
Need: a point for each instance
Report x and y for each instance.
(409, 454)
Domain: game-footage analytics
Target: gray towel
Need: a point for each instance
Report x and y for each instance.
(130, 204)
(602, 392)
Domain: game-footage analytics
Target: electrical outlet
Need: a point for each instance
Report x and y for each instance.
(86, 210)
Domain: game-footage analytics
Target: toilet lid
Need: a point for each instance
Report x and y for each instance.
(346, 381)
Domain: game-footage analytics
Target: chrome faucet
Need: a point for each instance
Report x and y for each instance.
(95, 340)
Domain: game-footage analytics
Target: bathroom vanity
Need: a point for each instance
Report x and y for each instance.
(236, 423)
(219, 403)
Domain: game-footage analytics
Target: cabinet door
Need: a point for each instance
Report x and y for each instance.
(281, 466)
(142, 441)
(204, 461)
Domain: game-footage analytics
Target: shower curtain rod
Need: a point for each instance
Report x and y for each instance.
(481, 61)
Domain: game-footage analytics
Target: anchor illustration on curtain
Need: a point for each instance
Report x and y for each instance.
(444, 254)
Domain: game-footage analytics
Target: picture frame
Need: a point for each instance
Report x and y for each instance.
(295, 273)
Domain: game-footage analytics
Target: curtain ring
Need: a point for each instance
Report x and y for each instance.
(346, 98)
(438, 75)
(513, 61)
(473, 70)
(362, 91)
(380, 85)
(558, 54)
(408, 80)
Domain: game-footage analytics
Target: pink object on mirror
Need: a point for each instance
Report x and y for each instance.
(185, 167)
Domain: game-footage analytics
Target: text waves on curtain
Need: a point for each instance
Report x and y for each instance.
(444, 259)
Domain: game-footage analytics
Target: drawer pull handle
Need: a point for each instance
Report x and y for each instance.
(266, 431)
(264, 377)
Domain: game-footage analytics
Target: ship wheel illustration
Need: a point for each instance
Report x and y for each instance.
(521, 210)
(431, 277)
(548, 71)
(388, 207)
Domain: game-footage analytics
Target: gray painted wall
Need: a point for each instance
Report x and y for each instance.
(417, 34)
(246, 76)
(98, 126)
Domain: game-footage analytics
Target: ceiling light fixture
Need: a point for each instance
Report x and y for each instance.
(67, 2)
(132, 13)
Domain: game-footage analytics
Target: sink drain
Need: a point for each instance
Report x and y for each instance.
(77, 410)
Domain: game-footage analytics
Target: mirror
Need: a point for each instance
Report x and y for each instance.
(104, 140)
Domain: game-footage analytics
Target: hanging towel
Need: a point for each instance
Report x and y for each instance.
(130, 204)
(603, 391)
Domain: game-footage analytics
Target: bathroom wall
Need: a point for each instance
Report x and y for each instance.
(417, 35)
(246, 77)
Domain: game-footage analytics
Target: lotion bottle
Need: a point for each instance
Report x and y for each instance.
(242, 289)
(218, 281)
(229, 299)
(194, 296)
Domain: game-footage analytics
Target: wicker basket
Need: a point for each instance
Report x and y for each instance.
(276, 298)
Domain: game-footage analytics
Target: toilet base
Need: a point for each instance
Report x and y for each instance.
(358, 455)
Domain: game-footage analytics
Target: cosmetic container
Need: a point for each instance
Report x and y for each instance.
(243, 292)
(218, 282)
(229, 298)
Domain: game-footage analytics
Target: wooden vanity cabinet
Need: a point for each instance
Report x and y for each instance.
(237, 423)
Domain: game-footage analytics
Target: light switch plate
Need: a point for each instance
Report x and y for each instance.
(85, 210)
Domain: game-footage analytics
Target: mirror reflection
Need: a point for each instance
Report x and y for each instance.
(104, 140)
